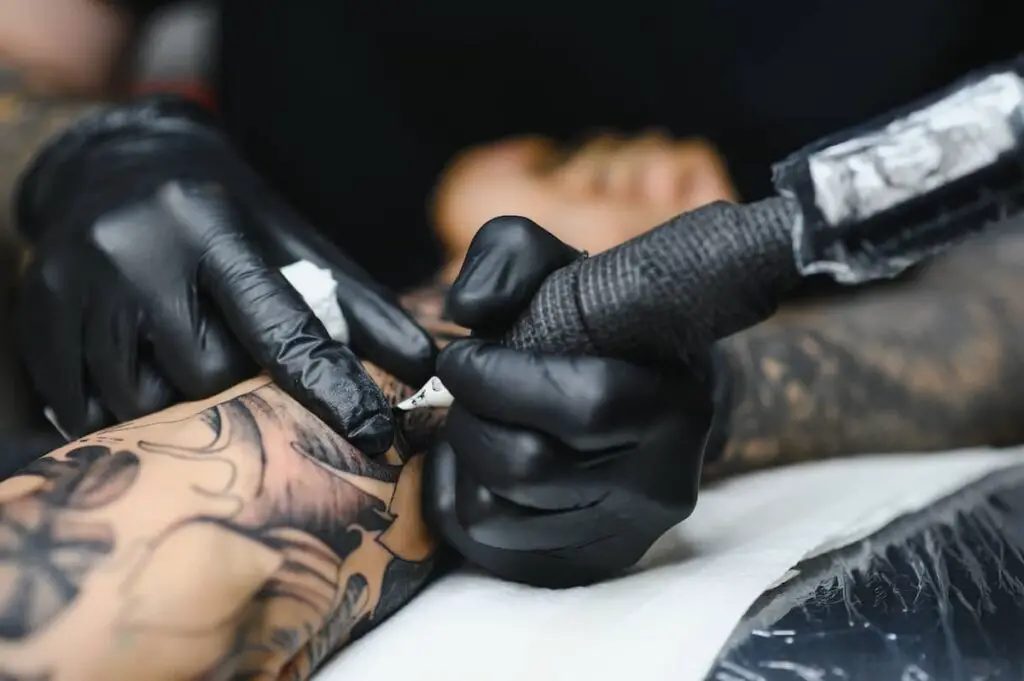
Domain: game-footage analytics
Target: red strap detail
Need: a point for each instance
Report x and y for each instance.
(191, 90)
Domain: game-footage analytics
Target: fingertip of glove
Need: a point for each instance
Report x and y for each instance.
(508, 260)
(375, 434)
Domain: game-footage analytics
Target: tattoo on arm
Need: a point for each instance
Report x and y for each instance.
(237, 538)
(217, 545)
(932, 362)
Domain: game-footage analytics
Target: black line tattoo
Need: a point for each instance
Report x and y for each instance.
(934, 361)
(225, 532)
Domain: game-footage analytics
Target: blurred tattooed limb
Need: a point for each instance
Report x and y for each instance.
(934, 361)
(242, 540)
(234, 538)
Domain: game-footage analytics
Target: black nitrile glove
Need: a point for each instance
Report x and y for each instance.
(155, 278)
(554, 470)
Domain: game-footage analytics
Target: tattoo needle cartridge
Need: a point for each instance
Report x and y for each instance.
(432, 394)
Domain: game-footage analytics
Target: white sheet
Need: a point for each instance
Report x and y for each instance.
(668, 622)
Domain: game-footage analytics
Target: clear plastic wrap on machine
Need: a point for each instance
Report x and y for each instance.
(881, 197)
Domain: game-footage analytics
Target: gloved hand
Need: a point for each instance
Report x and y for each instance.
(554, 470)
(155, 278)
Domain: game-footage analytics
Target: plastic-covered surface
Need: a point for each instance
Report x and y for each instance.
(935, 596)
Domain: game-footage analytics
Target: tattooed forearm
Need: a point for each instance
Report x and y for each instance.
(932, 362)
(236, 538)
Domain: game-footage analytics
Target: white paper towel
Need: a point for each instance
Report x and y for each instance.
(318, 288)
(669, 622)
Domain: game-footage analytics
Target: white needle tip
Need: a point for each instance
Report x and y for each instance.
(432, 394)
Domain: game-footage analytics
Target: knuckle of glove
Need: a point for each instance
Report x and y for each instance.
(667, 465)
(603, 400)
(519, 237)
(509, 232)
(516, 463)
(497, 536)
(50, 275)
(648, 480)
(506, 263)
(212, 372)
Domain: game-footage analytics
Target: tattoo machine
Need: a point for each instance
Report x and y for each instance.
(859, 206)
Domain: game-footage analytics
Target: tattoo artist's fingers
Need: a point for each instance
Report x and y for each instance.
(521, 465)
(194, 351)
(508, 260)
(278, 329)
(589, 403)
(379, 329)
(49, 321)
(127, 382)
(473, 518)
(385, 334)
(285, 337)
(192, 347)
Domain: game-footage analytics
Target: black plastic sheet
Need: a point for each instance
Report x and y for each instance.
(934, 596)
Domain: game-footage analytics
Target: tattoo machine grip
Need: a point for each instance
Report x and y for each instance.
(669, 294)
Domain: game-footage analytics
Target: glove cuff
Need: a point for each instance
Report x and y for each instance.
(45, 187)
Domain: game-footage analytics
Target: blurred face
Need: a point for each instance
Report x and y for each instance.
(63, 45)
(593, 197)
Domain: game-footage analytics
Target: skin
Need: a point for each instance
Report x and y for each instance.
(67, 46)
(931, 362)
(593, 197)
(235, 537)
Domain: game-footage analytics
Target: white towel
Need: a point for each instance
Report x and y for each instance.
(669, 622)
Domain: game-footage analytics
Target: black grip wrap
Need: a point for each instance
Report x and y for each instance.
(671, 293)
